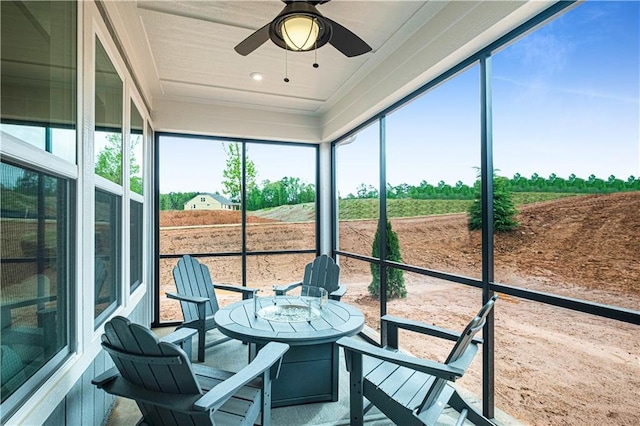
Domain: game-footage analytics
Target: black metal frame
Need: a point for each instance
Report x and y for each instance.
(243, 253)
(487, 283)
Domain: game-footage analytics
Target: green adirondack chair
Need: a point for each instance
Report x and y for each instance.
(169, 390)
(322, 272)
(410, 390)
(197, 296)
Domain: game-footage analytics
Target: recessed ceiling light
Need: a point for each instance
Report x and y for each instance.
(256, 76)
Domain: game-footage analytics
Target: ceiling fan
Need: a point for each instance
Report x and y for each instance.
(300, 27)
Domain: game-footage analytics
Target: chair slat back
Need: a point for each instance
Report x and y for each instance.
(459, 349)
(193, 279)
(474, 326)
(322, 272)
(146, 362)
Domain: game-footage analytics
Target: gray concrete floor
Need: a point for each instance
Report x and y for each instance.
(232, 356)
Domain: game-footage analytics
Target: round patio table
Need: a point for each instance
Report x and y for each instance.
(309, 371)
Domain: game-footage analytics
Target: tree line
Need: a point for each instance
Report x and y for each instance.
(286, 191)
(518, 183)
(290, 191)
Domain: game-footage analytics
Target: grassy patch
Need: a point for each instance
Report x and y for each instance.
(534, 197)
(368, 208)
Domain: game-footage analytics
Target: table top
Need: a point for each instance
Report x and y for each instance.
(239, 322)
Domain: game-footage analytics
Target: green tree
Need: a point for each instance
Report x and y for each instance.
(233, 172)
(255, 200)
(109, 163)
(307, 193)
(366, 191)
(395, 277)
(135, 179)
(632, 183)
(504, 211)
(109, 160)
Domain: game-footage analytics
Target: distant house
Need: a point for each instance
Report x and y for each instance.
(208, 201)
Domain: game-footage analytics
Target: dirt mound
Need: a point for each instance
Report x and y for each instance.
(588, 240)
(206, 217)
(295, 213)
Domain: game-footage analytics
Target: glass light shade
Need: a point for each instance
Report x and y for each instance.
(300, 32)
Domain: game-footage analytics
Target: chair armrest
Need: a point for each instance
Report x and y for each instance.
(433, 368)
(281, 290)
(185, 298)
(179, 336)
(105, 377)
(337, 294)
(119, 386)
(238, 289)
(423, 328)
(268, 356)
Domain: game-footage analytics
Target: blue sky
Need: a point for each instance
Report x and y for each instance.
(194, 164)
(565, 100)
(566, 97)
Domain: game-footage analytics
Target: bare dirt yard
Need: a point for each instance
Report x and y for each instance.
(553, 366)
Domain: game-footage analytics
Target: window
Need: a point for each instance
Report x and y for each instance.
(39, 75)
(566, 129)
(38, 79)
(35, 279)
(107, 265)
(136, 150)
(432, 162)
(279, 234)
(108, 114)
(358, 211)
(108, 197)
(135, 244)
(189, 167)
(358, 190)
(136, 205)
(281, 195)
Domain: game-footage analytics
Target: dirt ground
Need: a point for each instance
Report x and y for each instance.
(553, 366)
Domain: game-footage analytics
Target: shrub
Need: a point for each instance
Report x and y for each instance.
(504, 210)
(395, 277)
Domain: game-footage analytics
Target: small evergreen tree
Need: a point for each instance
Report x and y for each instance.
(395, 277)
(504, 211)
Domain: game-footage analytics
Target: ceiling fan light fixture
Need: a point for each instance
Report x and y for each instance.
(300, 27)
(300, 32)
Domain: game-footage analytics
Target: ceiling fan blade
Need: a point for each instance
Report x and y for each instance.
(345, 41)
(254, 41)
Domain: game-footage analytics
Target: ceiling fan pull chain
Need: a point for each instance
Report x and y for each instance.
(315, 52)
(286, 67)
